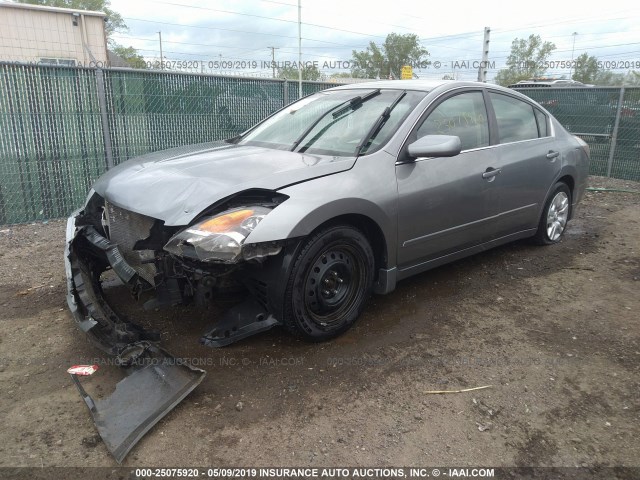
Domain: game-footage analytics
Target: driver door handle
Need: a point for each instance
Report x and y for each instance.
(552, 154)
(491, 172)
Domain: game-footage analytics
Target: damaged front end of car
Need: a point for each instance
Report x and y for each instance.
(181, 265)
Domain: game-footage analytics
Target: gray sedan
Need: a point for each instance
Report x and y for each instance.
(334, 197)
(337, 196)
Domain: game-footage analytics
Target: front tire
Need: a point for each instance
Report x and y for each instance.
(555, 216)
(330, 282)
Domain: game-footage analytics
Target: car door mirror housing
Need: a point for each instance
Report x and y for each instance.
(435, 146)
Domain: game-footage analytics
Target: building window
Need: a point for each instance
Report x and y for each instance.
(58, 61)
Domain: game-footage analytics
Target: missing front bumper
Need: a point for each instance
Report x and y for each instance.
(152, 389)
(157, 382)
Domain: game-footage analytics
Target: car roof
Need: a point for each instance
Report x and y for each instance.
(430, 85)
(548, 83)
(420, 85)
(423, 85)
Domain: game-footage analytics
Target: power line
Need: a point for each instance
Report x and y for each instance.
(268, 18)
(127, 37)
(230, 30)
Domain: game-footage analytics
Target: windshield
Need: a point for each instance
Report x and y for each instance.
(336, 122)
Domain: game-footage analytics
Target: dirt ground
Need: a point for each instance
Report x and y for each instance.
(555, 331)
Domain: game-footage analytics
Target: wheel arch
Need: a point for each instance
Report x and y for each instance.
(369, 228)
(295, 219)
(569, 180)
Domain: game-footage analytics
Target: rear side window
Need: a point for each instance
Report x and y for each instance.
(462, 115)
(543, 129)
(516, 119)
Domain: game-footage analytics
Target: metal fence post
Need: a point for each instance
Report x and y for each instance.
(614, 135)
(285, 93)
(104, 119)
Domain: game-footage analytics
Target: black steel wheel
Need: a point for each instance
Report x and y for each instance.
(331, 280)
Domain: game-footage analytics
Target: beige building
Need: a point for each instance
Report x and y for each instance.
(59, 36)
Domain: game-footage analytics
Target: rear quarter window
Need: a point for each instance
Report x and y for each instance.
(543, 123)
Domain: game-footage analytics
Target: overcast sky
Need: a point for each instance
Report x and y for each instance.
(243, 30)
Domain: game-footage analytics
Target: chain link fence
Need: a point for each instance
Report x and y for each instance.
(607, 118)
(62, 127)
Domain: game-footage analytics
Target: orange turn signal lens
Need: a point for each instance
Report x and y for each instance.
(224, 223)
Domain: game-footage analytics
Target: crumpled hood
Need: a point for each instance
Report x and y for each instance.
(176, 185)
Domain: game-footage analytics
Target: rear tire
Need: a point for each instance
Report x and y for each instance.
(331, 280)
(555, 216)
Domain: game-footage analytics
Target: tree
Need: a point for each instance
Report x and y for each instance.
(526, 60)
(309, 72)
(388, 59)
(341, 75)
(129, 55)
(115, 22)
(634, 77)
(586, 68)
(607, 78)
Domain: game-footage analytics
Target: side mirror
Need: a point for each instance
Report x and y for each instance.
(435, 146)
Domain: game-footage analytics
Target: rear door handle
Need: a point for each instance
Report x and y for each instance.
(551, 155)
(491, 172)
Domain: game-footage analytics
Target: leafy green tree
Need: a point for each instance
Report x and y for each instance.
(309, 72)
(388, 59)
(586, 68)
(341, 75)
(607, 78)
(130, 56)
(526, 60)
(631, 78)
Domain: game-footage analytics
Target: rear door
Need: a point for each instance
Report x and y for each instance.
(529, 159)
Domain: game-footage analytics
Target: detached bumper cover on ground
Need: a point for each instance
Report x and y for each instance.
(156, 381)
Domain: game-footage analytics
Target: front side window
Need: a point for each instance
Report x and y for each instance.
(464, 116)
(516, 119)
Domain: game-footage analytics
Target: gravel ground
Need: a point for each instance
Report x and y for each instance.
(553, 330)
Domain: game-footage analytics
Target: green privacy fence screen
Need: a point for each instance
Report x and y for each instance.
(62, 127)
(51, 145)
(608, 119)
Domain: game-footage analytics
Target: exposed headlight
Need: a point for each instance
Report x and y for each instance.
(221, 238)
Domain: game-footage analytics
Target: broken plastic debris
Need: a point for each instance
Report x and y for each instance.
(83, 370)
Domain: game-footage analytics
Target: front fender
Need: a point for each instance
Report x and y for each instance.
(311, 205)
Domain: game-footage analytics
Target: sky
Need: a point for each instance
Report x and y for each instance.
(239, 34)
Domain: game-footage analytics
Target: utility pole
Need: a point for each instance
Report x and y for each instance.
(273, 60)
(161, 57)
(575, 34)
(299, 49)
(482, 70)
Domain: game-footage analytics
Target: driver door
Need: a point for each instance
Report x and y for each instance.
(445, 204)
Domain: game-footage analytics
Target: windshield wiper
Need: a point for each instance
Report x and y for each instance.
(350, 104)
(234, 140)
(382, 119)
